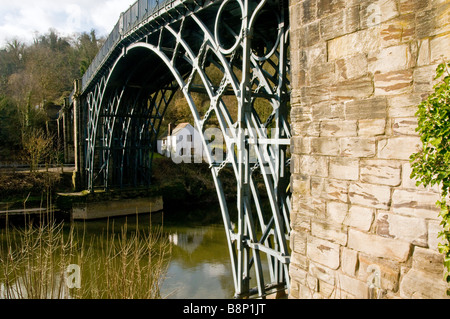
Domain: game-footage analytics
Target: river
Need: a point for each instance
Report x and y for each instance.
(199, 266)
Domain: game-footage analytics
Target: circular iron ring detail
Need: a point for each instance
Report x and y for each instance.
(217, 26)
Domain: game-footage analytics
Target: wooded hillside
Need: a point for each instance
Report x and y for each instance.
(34, 80)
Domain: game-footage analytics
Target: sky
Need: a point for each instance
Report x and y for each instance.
(22, 19)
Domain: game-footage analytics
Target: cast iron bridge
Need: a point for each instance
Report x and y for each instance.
(158, 48)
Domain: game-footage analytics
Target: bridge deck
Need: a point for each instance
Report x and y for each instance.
(142, 16)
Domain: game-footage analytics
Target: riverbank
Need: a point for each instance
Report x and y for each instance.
(21, 189)
(189, 185)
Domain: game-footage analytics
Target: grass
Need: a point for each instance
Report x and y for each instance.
(40, 262)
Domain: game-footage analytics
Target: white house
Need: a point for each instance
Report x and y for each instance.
(182, 144)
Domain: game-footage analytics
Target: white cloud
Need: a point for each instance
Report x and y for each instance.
(23, 18)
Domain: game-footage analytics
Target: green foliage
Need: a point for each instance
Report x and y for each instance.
(431, 165)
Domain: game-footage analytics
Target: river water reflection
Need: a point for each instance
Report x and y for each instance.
(199, 267)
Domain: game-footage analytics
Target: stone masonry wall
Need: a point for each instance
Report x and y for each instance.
(360, 226)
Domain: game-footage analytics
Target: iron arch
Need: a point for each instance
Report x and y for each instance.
(125, 106)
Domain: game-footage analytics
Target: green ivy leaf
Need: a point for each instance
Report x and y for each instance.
(431, 166)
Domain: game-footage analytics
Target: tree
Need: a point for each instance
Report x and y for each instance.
(38, 147)
(11, 61)
(88, 47)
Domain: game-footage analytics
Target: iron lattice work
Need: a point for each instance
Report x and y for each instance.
(174, 46)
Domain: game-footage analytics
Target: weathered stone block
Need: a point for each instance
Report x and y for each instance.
(329, 231)
(306, 129)
(398, 147)
(372, 127)
(389, 59)
(314, 96)
(335, 190)
(378, 246)
(329, 189)
(355, 287)
(399, 30)
(363, 41)
(313, 55)
(300, 222)
(295, 15)
(301, 184)
(323, 252)
(413, 5)
(389, 271)
(339, 23)
(299, 261)
(423, 55)
(338, 128)
(301, 113)
(434, 21)
(395, 82)
(313, 165)
(325, 7)
(375, 12)
(308, 11)
(349, 261)
(434, 228)
(326, 290)
(374, 108)
(336, 212)
(344, 168)
(321, 74)
(322, 273)
(428, 260)
(405, 126)
(309, 206)
(352, 89)
(309, 34)
(324, 146)
(294, 293)
(404, 105)
(381, 172)
(440, 47)
(357, 147)
(299, 240)
(328, 111)
(420, 285)
(369, 195)
(424, 79)
(301, 145)
(353, 67)
(297, 274)
(410, 229)
(360, 217)
(415, 203)
(295, 164)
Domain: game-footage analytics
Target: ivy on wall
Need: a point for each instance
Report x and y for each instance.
(431, 165)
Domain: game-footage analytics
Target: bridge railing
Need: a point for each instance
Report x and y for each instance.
(138, 12)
